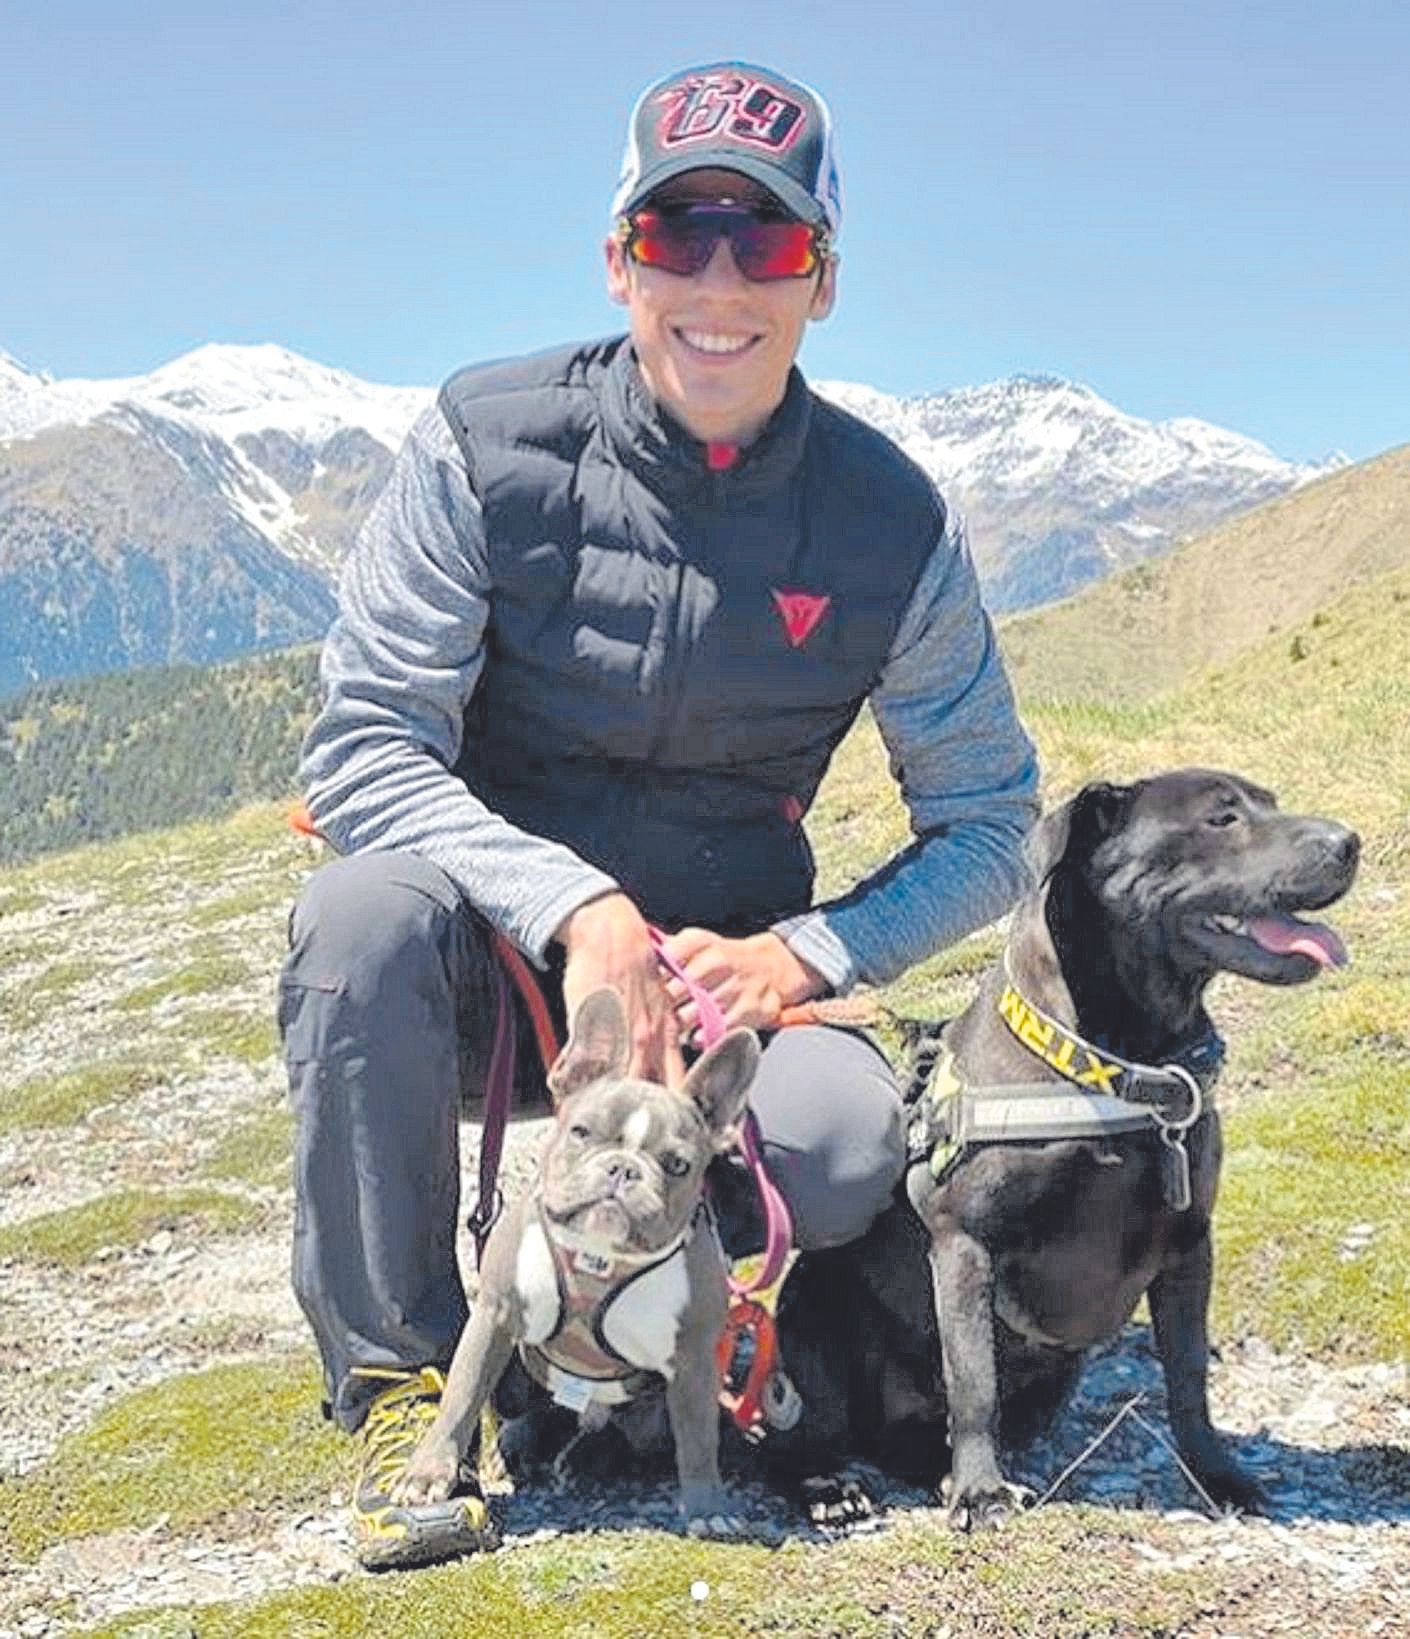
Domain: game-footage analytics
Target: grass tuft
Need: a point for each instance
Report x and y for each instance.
(230, 1033)
(269, 898)
(1301, 1169)
(198, 978)
(258, 1151)
(19, 901)
(193, 1449)
(1070, 1571)
(24, 1005)
(125, 1218)
(65, 1100)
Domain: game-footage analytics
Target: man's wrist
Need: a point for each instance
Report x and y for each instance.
(587, 919)
(813, 939)
(795, 981)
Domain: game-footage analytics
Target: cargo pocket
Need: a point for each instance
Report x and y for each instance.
(305, 1015)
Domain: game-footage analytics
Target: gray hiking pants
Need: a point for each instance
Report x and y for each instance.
(386, 1008)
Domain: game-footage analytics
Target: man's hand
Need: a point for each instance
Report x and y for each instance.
(608, 943)
(751, 980)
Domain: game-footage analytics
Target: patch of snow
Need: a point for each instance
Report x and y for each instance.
(1030, 430)
(229, 390)
(19, 378)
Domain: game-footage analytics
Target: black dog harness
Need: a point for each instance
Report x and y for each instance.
(1106, 1096)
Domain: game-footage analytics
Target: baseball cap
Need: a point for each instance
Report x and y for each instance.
(734, 117)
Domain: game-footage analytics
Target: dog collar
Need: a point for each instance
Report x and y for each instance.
(567, 1254)
(1182, 1079)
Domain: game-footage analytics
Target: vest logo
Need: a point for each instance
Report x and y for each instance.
(801, 612)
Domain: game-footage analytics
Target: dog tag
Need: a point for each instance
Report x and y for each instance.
(1175, 1172)
(572, 1393)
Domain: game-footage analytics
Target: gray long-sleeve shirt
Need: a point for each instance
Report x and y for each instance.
(406, 652)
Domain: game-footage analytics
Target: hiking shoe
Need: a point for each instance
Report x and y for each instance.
(387, 1534)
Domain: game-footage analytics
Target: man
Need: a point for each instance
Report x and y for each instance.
(599, 637)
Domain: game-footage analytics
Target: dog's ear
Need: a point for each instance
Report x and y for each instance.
(1078, 826)
(598, 1045)
(718, 1081)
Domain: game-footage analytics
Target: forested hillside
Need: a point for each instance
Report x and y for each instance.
(97, 758)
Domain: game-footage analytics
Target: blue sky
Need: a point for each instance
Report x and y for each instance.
(1200, 209)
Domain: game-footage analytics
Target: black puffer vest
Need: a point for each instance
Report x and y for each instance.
(673, 654)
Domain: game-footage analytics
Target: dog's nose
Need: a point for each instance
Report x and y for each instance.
(622, 1171)
(1344, 845)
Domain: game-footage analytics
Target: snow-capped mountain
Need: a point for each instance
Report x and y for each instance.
(235, 391)
(1060, 487)
(195, 513)
(201, 511)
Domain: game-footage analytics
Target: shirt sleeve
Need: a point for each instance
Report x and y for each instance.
(400, 663)
(967, 773)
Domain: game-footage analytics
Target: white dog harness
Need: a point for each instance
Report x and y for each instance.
(601, 1329)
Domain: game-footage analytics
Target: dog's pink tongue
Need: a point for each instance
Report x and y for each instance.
(1290, 936)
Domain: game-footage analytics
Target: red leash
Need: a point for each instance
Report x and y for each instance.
(499, 1081)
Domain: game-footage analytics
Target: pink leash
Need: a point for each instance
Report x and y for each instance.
(499, 1090)
(777, 1218)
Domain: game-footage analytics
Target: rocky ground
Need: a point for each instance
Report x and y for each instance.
(1332, 1444)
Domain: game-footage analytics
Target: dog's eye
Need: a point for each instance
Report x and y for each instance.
(578, 1130)
(676, 1165)
(1225, 816)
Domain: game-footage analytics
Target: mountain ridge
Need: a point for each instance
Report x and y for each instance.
(1061, 487)
(274, 460)
(90, 758)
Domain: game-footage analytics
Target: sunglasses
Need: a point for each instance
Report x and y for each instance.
(682, 240)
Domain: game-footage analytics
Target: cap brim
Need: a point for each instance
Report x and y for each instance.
(790, 194)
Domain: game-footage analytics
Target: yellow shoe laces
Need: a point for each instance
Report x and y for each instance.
(396, 1420)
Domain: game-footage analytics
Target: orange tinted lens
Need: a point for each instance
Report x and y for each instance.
(774, 250)
(683, 242)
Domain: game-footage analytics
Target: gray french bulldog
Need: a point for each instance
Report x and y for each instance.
(608, 1270)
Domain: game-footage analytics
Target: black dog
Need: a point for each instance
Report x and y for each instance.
(1065, 1158)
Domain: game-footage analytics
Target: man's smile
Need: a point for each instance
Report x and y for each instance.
(715, 342)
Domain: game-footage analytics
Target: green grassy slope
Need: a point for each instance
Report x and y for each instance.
(1271, 571)
(101, 757)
